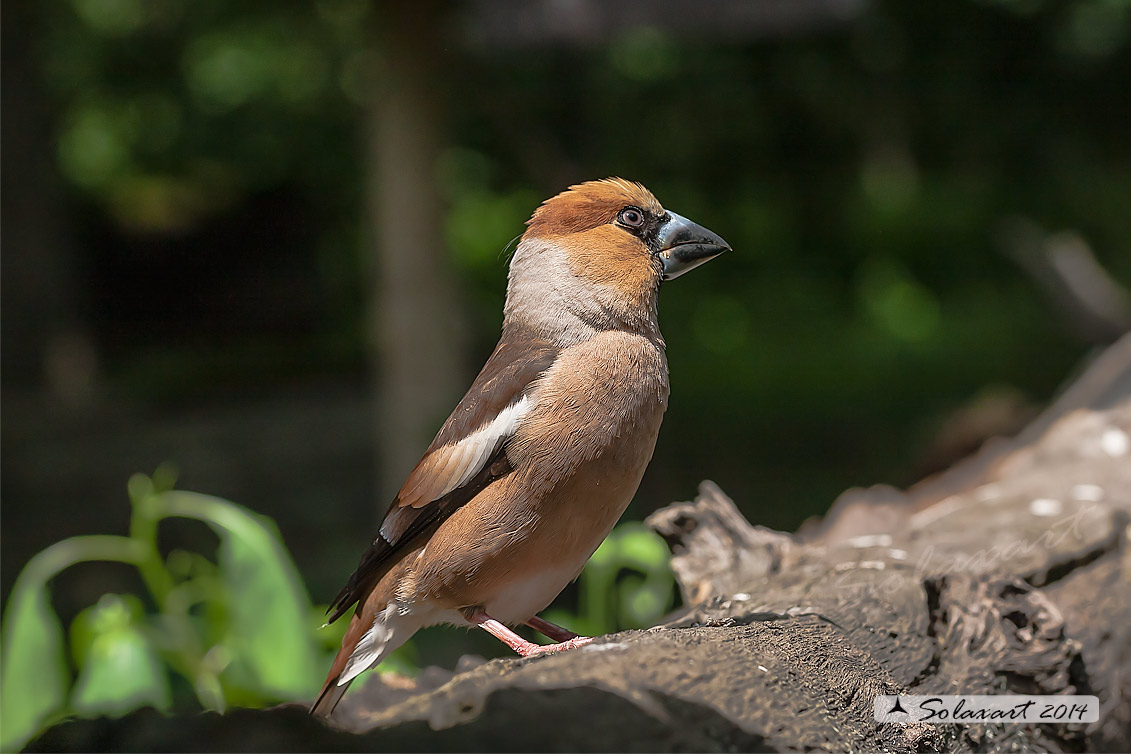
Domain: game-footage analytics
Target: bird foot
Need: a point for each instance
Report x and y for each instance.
(519, 644)
(562, 646)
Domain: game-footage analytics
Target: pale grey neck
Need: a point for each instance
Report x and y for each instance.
(544, 295)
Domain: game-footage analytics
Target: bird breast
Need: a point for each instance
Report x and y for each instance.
(578, 458)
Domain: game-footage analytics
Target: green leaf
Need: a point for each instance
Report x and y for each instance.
(643, 601)
(641, 548)
(268, 637)
(139, 488)
(120, 670)
(610, 602)
(164, 478)
(34, 674)
(33, 671)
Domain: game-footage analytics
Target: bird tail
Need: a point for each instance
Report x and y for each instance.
(368, 640)
(331, 694)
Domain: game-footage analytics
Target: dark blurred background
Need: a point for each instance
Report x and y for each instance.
(266, 241)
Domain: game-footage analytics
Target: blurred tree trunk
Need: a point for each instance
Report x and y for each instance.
(417, 336)
(45, 344)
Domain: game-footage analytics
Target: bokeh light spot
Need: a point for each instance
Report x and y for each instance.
(897, 303)
(92, 149)
(112, 18)
(644, 54)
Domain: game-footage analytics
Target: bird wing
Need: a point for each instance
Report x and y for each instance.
(467, 455)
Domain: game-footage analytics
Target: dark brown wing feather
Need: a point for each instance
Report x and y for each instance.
(519, 358)
(517, 361)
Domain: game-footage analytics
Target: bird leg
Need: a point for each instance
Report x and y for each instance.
(551, 630)
(516, 642)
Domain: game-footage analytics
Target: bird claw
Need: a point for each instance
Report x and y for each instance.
(574, 643)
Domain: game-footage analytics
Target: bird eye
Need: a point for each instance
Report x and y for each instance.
(631, 216)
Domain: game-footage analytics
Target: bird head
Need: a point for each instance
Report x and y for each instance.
(598, 253)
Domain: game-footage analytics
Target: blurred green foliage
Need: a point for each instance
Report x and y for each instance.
(240, 629)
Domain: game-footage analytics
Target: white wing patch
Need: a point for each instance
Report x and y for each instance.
(474, 450)
(453, 465)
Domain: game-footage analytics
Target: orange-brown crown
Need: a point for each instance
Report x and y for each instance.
(581, 226)
(588, 205)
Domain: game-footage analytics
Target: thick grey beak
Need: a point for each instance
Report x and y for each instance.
(685, 245)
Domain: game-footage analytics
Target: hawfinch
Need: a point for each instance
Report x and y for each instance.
(541, 457)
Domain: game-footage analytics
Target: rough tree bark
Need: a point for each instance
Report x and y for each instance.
(1008, 574)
